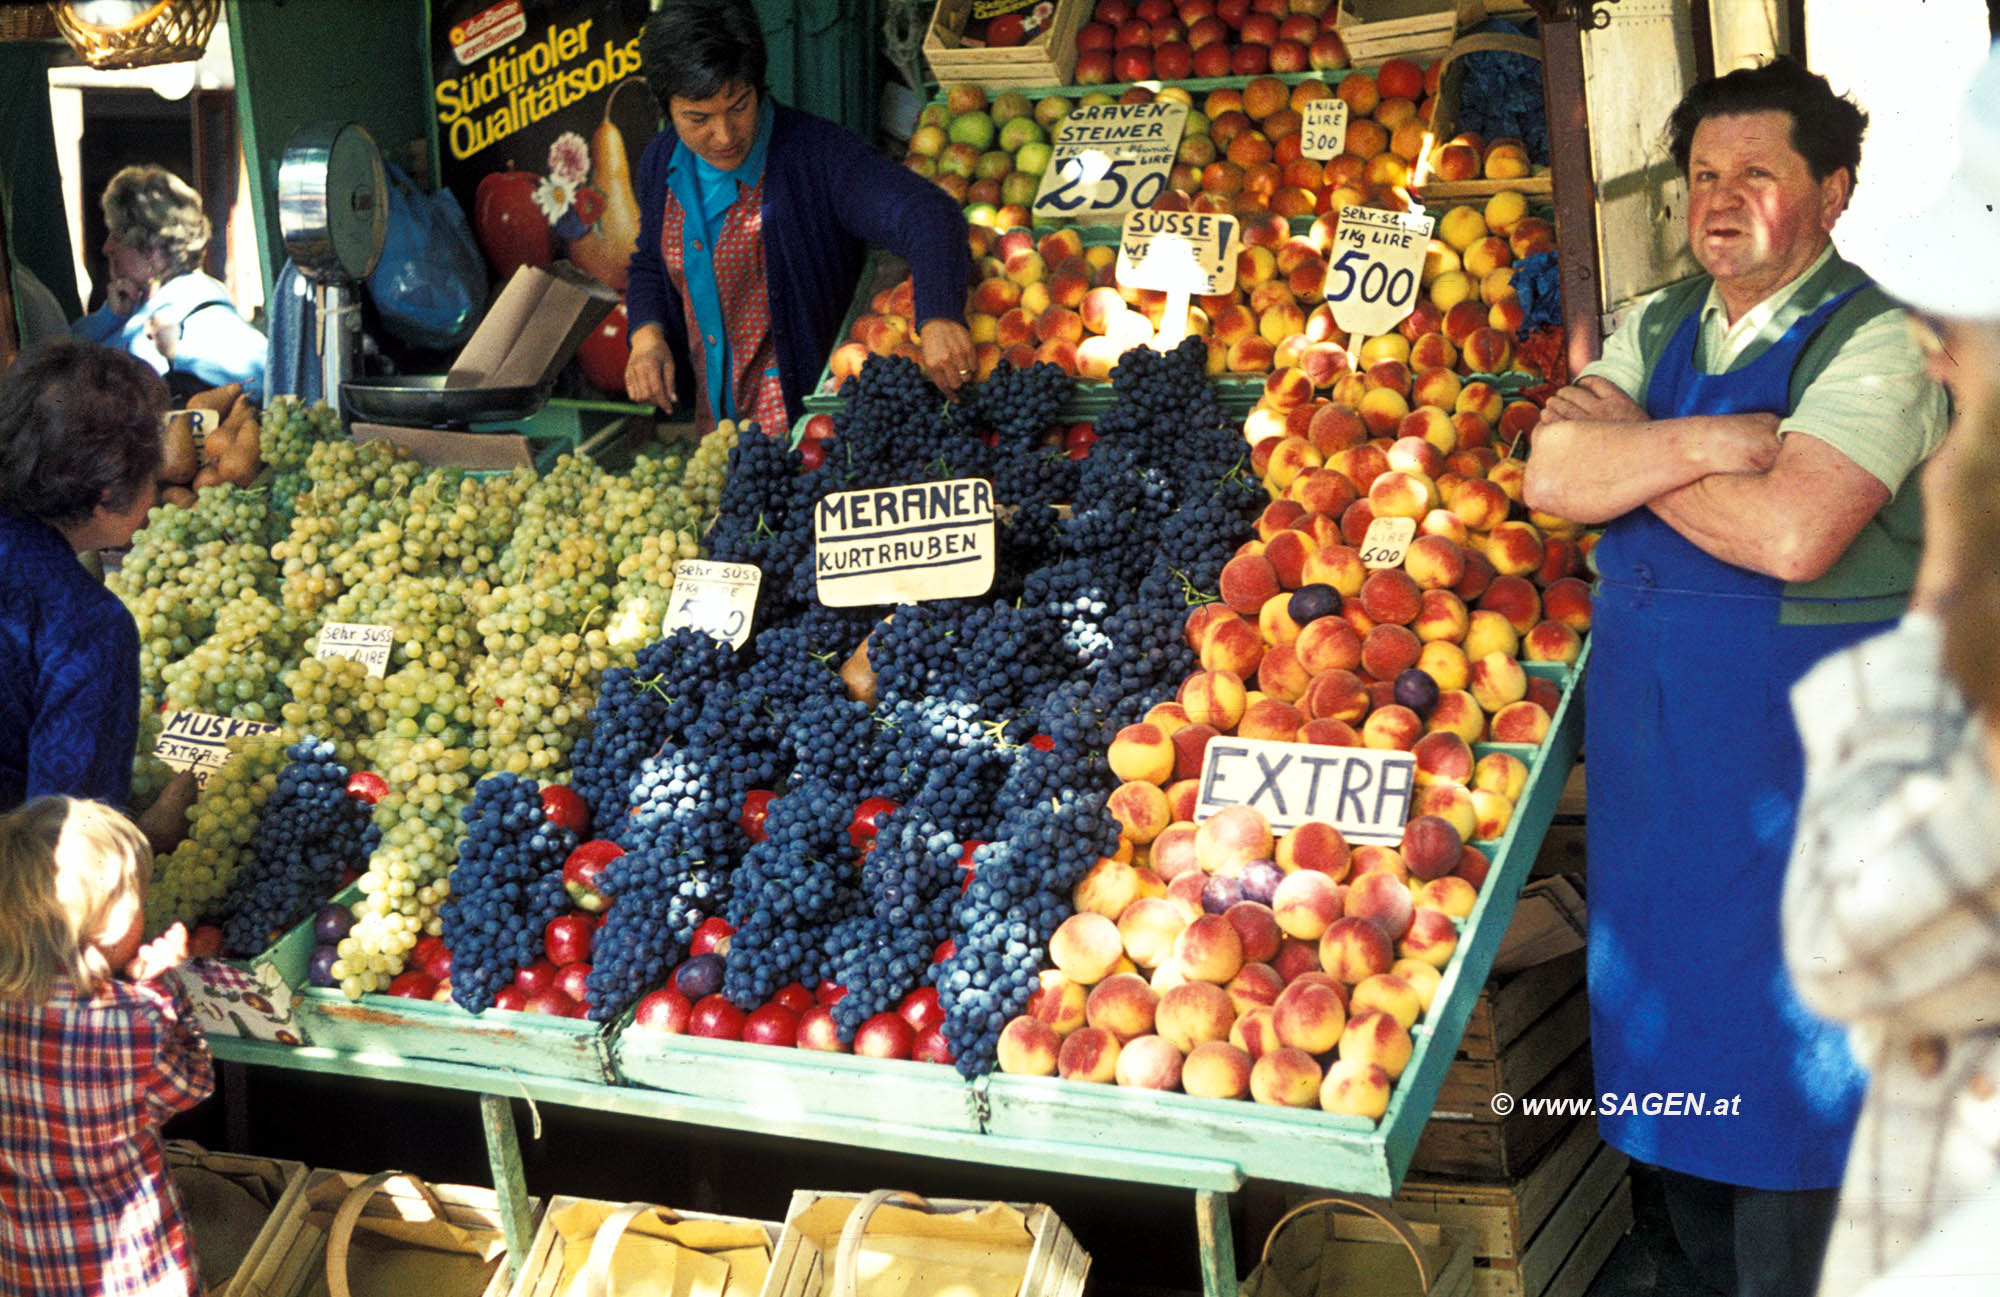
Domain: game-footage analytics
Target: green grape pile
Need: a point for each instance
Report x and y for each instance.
(189, 881)
(235, 671)
(336, 699)
(432, 617)
(149, 773)
(532, 709)
(289, 429)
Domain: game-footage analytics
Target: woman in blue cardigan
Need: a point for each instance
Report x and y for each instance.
(754, 222)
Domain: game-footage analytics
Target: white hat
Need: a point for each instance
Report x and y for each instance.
(1949, 265)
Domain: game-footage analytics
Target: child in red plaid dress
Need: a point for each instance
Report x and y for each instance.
(97, 1049)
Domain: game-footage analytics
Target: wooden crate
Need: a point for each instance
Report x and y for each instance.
(1451, 82)
(291, 1259)
(274, 1182)
(1047, 60)
(1374, 1250)
(1544, 1235)
(1483, 1146)
(1057, 1265)
(1376, 30)
(541, 1270)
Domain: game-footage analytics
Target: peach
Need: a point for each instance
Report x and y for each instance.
(1423, 439)
(1488, 351)
(1231, 838)
(1433, 564)
(1309, 1016)
(1392, 728)
(1380, 858)
(1194, 1012)
(1268, 718)
(1184, 893)
(1446, 525)
(1190, 747)
(1214, 698)
(1376, 1037)
(1327, 732)
(1210, 949)
(1497, 679)
(1445, 663)
(1140, 809)
(1516, 599)
(1443, 756)
(1335, 695)
(1296, 957)
(1286, 552)
(1401, 494)
(1338, 566)
(1315, 846)
(1327, 644)
(1142, 751)
(1519, 722)
(1148, 928)
(1390, 648)
(1322, 528)
(1231, 645)
(1321, 491)
(1183, 798)
(1441, 616)
(1057, 1001)
(1248, 356)
(1356, 1089)
(1551, 641)
(1544, 693)
(1382, 899)
(1432, 937)
(1461, 227)
(1216, 1069)
(1169, 716)
(1492, 813)
(1258, 983)
(1028, 1047)
(1306, 902)
(1280, 675)
(1392, 597)
(1451, 803)
(1390, 994)
(1111, 885)
(1086, 947)
(1451, 894)
(1451, 288)
(1248, 580)
(1531, 234)
(1088, 1054)
(1353, 950)
(1423, 978)
(1361, 464)
(1473, 866)
(1381, 409)
(1488, 631)
(1285, 1077)
(1253, 1031)
(1458, 712)
(1480, 505)
(1568, 601)
(1287, 389)
(1122, 1004)
(1430, 844)
(1148, 1063)
(1502, 773)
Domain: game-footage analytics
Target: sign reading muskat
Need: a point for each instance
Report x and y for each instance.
(1109, 159)
(199, 741)
(1363, 792)
(905, 544)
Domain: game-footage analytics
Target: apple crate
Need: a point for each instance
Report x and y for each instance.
(1047, 60)
(1545, 1234)
(229, 1199)
(790, 1082)
(1050, 1263)
(542, 1271)
(255, 998)
(1375, 31)
(1317, 1249)
(308, 1247)
(535, 1043)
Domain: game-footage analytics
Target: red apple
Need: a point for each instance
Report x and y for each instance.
(816, 1031)
(795, 997)
(1078, 440)
(663, 1010)
(829, 993)
(920, 1008)
(1132, 63)
(716, 1018)
(538, 976)
(561, 805)
(554, 1003)
(756, 806)
(603, 352)
(861, 829)
(567, 938)
(581, 871)
(574, 981)
(431, 955)
(771, 1024)
(711, 938)
(1093, 68)
(367, 786)
(932, 1047)
(414, 984)
(511, 999)
(884, 1036)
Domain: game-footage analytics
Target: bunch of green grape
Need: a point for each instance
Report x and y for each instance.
(707, 469)
(188, 882)
(431, 617)
(357, 484)
(562, 588)
(407, 876)
(532, 708)
(306, 557)
(289, 429)
(235, 671)
(337, 699)
(419, 703)
(149, 773)
(645, 586)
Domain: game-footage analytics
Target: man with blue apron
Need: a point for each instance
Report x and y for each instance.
(1744, 440)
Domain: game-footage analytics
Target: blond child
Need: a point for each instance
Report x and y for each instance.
(97, 1050)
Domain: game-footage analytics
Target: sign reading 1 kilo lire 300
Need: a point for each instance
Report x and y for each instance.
(1109, 159)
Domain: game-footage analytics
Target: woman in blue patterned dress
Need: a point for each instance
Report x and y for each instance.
(79, 451)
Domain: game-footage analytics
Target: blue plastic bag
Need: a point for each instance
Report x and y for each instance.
(430, 283)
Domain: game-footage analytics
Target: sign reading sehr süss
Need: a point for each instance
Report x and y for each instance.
(905, 544)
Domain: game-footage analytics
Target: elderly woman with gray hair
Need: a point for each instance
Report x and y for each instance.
(159, 305)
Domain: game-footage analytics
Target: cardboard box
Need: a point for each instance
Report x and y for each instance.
(527, 336)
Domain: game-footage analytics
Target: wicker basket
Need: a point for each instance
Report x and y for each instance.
(27, 22)
(171, 31)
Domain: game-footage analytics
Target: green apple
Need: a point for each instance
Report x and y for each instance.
(1011, 105)
(974, 128)
(1019, 132)
(1032, 159)
(927, 141)
(993, 164)
(1050, 109)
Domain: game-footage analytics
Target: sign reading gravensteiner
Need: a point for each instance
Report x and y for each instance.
(1363, 792)
(1190, 252)
(199, 741)
(717, 599)
(1108, 159)
(1374, 267)
(362, 642)
(905, 544)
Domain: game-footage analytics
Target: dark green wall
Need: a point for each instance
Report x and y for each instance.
(37, 226)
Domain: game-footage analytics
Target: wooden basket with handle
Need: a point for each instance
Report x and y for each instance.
(546, 1263)
(1055, 1266)
(1377, 1253)
(170, 31)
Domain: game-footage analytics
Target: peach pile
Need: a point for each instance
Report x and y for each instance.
(1230, 962)
(1052, 298)
(1466, 156)
(1177, 39)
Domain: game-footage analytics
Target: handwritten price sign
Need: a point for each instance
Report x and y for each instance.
(1109, 159)
(1323, 133)
(1375, 266)
(717, 599)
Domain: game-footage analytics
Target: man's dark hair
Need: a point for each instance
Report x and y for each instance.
(1826, 127)
(79, 427)
(696, 49)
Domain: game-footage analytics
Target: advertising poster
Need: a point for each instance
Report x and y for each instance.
(542, 116)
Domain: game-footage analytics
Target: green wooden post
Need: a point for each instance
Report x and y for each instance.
(510, 1185)
(1218, 1243)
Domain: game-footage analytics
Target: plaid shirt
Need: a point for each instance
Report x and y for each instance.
(1892, 925)
(86, 1205)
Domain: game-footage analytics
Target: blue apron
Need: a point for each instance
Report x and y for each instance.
(1695, 776)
